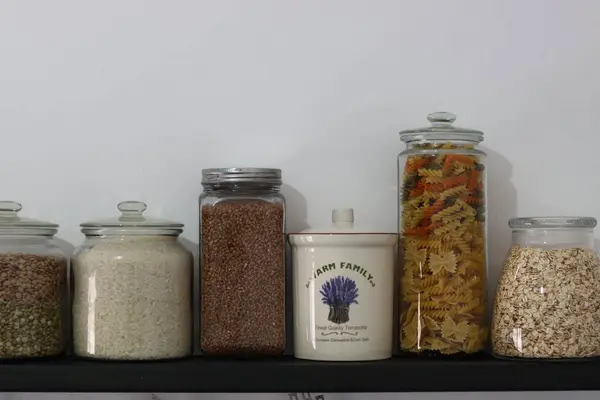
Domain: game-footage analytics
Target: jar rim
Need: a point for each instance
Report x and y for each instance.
(40, 231)
(552, 222)
(423, 136)
(129, 231)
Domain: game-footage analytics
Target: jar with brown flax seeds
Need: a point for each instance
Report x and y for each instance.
(242, 268)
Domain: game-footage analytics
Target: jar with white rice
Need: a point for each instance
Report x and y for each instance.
(132, 289)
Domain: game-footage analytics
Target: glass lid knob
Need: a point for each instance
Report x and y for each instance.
(441, 118)
(10, 208)
(132, 208)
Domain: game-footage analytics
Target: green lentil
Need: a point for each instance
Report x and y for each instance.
(32, 296)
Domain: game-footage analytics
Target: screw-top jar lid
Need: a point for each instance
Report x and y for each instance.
(13, 224)
(552, 222)
(132, 222)
(241, 175)
(441, 128)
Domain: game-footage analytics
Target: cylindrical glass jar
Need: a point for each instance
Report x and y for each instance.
(132, 291)
(547, 302)
(33, 285)
(242, 251)
(442, 224)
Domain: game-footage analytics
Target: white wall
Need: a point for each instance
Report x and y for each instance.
(111, 100)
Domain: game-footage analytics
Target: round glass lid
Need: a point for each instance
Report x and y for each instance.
(132, 221)
(12, 223)
(441, 128)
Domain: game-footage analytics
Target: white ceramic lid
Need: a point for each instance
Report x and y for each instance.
(342, 223)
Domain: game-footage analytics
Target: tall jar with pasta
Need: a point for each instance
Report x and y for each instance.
(442, 225)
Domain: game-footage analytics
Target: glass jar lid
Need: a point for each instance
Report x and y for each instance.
(13, 224)
(132, 222)
(552, 222)
(441, 128)
(241, 175)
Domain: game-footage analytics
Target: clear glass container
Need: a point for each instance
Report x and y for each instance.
(33, 286)
(132, 288)
(442, 226)
(242, 252)
(547, 301)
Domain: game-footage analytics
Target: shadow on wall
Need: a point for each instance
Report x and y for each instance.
(296, 209)
(295, 221)
(194, 249)
(67, 248)
(502, 205)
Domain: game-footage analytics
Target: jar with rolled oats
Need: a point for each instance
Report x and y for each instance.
(547, 304)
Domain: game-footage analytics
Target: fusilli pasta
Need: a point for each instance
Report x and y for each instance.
(443, 287)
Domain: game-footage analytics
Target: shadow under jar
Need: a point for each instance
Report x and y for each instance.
(242, 250)
(547, 304)
(33, 285)
(132, 292)
(442, 225)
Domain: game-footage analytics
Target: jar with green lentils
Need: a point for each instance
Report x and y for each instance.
(33, 286)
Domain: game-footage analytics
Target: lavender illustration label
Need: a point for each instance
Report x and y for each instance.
(341, 286)
(338, 293)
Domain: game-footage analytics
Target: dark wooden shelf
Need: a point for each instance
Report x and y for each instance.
(286, 375)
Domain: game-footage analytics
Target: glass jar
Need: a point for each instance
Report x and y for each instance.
(547, 302)
(132, 288)
(442, 225)
(33, 285)
(242, 247)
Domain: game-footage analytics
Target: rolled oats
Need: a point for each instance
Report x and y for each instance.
(547, 304)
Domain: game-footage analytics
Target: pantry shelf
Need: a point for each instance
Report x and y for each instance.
(288, 375)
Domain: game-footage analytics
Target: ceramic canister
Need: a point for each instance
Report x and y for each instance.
(343, 291)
